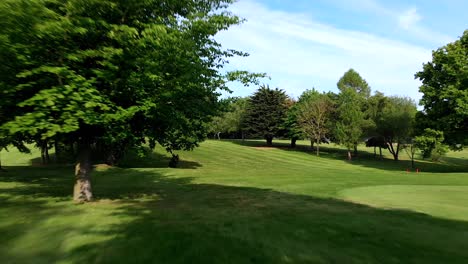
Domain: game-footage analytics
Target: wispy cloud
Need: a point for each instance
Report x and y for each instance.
(300, 53)
(409, 18)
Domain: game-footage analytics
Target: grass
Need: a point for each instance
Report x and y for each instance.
(237, 202)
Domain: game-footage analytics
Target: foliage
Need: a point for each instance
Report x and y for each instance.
(348, 127)
(352, 80)
(445, 91)
(291, 125)
(266, 111)
(396, 122)
(231, 120)
(113, 71)
(430, 144)
(313, 115)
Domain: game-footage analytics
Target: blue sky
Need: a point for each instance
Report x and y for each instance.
(303, 44)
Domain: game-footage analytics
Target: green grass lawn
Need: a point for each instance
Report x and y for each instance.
(238, 202)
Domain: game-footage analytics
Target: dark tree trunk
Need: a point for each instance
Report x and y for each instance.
(380, 150)
(293, 142)
(44, 152)
(243, 135)
(312, 144)
(47, 157)
(375, 152)
(269, 141)
(355, 149)
(57, 152)
(393, 151)
(318, 147)
(82, 191)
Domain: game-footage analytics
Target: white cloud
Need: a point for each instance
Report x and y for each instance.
(409, 18)
(300, 53)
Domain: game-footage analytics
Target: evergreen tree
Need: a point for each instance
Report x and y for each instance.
(266, 111)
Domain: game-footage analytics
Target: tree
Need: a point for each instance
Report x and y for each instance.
(113, 72)
(291, 125)
(351, 80)
(348, 128)
(395, 124)
(231, 120)
(445, 92)
(430, 143)
(265, 113)
(313, 116)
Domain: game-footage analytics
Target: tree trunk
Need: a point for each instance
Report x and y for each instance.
(349, 155)
(1, 169)
(380, 150)
(218, 135)
(82, 191)
(375, 152)
(355, 149)
(318, 147)
(47, 157)
(293, 142)
(269, 141)
(57, 152)
(312, 144)
(243, 136)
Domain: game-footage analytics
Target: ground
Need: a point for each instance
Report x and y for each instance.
(235, 202)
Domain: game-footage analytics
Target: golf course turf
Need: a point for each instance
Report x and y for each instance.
(238, 202)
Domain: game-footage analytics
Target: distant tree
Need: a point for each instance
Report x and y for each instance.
(431, 144)
(351, 80)
(265, 113)
(231, 119)
(410, 148)
(313, 115)
(445, 92)
(395, 124)
(291, 126)
(113, 73)
(348, 128)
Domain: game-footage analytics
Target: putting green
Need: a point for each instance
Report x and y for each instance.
(440, 201)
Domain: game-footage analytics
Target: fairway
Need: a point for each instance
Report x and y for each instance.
(440, 201)
(238, 202)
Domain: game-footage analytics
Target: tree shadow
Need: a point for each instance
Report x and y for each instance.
(366, 158)
(163, 219)
(152, 159)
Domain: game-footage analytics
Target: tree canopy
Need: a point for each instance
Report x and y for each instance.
(266, 112)
(112, 71)
(445, 91)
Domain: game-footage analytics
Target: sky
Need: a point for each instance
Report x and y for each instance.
(305, 44)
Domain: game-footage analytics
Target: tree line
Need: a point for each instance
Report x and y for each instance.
(348, 118)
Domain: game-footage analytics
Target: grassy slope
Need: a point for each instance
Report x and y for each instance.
(230, 203)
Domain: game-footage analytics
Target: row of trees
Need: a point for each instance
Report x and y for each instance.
(346, 118)
(354, 114)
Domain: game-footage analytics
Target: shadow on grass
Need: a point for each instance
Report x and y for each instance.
(161, 219)
(152, 159)
(366, 158)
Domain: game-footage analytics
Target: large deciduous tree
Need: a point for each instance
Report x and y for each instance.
(445, 92)
(395, 123)
(266, 112)
(313, 115)
(112, 72)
